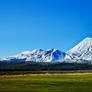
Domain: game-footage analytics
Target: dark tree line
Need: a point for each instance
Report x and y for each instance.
(34, 66)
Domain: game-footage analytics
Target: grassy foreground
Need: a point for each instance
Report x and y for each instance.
(46, 83)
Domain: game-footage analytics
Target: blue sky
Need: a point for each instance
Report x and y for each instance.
(31, 24)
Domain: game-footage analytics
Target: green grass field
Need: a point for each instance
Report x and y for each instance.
(46, 83)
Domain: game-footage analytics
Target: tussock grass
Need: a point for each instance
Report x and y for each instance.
(46, 83)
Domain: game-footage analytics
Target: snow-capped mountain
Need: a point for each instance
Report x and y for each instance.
(39, 55)
(82, 51)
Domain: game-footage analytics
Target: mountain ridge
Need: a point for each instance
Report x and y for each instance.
(39, 55)
(82, 51)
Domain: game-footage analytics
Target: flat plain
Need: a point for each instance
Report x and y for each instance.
(46, 83)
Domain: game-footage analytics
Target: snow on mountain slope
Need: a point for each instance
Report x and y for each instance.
(39, 55)
(82, 51)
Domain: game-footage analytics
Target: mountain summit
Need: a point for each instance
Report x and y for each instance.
(39, 55)
(83, 50)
